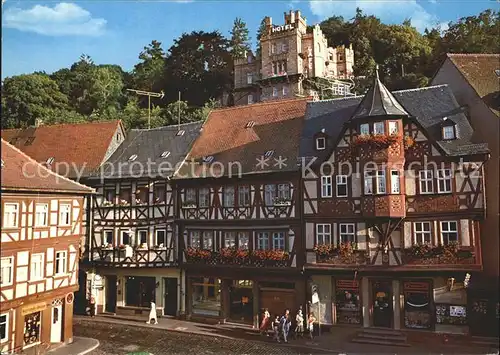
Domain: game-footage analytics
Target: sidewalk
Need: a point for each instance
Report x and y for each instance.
(79, 346)
(335, 341)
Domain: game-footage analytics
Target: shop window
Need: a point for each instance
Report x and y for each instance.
(348, 302)
(417, 306)
(139, 291)
(241, 300)
(206, 296)
(32, 323)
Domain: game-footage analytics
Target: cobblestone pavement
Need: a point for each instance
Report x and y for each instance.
(118, 339)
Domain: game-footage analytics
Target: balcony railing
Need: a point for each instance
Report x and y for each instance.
(238, 257)
(156, 256)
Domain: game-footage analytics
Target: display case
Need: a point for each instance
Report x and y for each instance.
(450, 314)
(417, 307)
(348, 303)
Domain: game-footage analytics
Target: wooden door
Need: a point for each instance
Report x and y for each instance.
(382, 303)
(277, 301)
(170, 299)
(111, 293)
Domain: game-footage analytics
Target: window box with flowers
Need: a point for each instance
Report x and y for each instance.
(189, 204)
(142, 246)
(375, 141)
(107, 246)
(107, 203)
(123, 246)
(408, 142)
(199, 256)
(160, 246)
(425, 254)
(280, 201)
(344, 253)
(139, 202)
(271, 258)
(124, 203)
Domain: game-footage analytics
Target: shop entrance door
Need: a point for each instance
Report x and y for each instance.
(241, 298)
(56, 327)
(382, 303)
(111, 290)
(170, 299)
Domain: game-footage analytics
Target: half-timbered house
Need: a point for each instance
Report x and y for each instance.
(134, 251)
(239, 214)
(392, 198)
(42, 215)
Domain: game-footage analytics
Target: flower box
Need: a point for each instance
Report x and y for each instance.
(107, 246)
(375, 141)
(189, 204)
(107, 203)
(425, 254)
(344, 253)
(281, 202)
(239, 257)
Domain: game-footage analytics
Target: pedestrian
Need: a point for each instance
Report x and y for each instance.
(264, 325)
(285, 324)
(310, 324)
(152, 314)
(299, 329)
(276, 328)
(92, 306)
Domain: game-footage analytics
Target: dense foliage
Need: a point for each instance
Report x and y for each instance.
(199, 65)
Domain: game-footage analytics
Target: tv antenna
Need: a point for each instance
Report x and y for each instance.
(160, 94)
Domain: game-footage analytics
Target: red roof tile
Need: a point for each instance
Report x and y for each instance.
(82, 146)
(22, 173)
(277, 127)
(479, 71)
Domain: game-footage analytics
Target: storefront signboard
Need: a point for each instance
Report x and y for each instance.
(32, 308)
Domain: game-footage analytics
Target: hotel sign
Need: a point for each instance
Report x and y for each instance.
(282, 28)
(33, 308)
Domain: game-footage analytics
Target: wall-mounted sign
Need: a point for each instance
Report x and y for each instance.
(33, 308)
(282, 28)
(98, 282)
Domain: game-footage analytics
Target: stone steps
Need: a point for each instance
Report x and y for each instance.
(490, 342)
(382, 336)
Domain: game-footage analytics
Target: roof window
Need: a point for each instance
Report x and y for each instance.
(180, 133)
(269, 154)
(133, 157)
(250, 124)
(208, 159)
(165, 154)
(50, 160)
(320, 143)
(449, 132)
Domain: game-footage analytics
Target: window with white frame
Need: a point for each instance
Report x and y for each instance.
(64, 214)
(269, 194)
(250, 99)
(194, 239)
(61, 262)
(263, 240)
(142, 237)
(395, 188)
(279, 240)
(208, 240)
(41, 214)
(347, 233)
(320, 143)
(10, 215)
(7, 268)
(228, 196)
(275, 91)
(444, 180)
(243, 196)
(204, 197)
(326, 186)
(243, 240)
(378, 128)
(249, 78)
(369, 182)
(341, 185)
(229, 239)
(449, 232)
(426, 181)
(422, 233)
(393, 127)
(323, 234)
(190, 196)
(4, 327)
(448, 132)
(364, 128)
(36, 267)
(161, 238)
(381, 181)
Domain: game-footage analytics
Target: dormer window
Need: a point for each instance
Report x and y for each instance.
(364, 129)
(320, 143)
(118, 137)
(180, 133)
(133, 157)
(449, 132)
(165, 154)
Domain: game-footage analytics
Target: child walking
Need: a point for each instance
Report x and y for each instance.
(310, 325)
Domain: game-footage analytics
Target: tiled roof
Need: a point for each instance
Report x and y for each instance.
(22, 173)
(158, 151)
(428, 105)
(378, 101)
(479, 71)
(243, 134)
(82, 146)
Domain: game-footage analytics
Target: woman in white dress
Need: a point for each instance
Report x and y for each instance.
(152, 314)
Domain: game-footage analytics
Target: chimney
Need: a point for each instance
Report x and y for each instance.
(292, 17)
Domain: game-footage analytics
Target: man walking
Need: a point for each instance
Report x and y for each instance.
(285, 325)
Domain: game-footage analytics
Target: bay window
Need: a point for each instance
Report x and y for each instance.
(380, 181)
(376, 178)
(395, 188)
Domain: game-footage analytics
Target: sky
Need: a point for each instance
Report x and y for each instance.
(50, 35)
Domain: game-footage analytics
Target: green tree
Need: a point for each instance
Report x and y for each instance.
(240, 40)
(260, 32)
(26, 98)
(133, 116)
(148, 73)
(105, 90)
